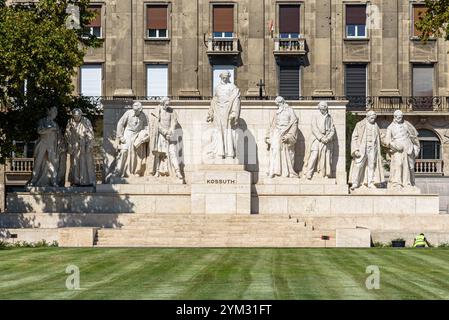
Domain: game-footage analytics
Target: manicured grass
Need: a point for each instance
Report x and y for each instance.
(39, 273)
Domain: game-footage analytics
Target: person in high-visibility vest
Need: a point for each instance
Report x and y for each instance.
(420, 241)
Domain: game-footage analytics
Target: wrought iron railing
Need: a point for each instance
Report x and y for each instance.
(405, 104)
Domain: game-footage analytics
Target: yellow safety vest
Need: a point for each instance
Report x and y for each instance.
(420, 241)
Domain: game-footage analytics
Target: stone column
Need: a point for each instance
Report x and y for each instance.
(322, 51)
(390, 45)
(120, 47)
(187, 49)
(256, 39)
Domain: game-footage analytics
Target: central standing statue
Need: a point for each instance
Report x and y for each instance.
(163, 140)
(402, 140)
(281, 140)
(224, 114)
(321, 144)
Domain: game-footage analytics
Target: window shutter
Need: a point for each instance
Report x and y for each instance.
(157, 80)
(156, 17)
(355, 83)
(423, 80)
(289, 82)
(223, 18)
(289, 19)
(91, 80)
(356, 15)
(97, 21)
(418, 11)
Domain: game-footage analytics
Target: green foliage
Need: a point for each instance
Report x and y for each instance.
(351, 121)
(381, 245)
(435, 22)
(443, 245)
(38, 48)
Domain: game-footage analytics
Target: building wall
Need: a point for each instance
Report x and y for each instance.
(388, 51)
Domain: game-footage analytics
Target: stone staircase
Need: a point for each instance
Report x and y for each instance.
(218, 230)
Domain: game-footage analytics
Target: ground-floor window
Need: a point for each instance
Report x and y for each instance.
(91, 80)
(157, 80)
(356, 85)
(423, 75)
(217, 70)
(430, 145)
(290, 81)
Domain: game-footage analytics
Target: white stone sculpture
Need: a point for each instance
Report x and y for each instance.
(321, 144)
(164, 145)
(132, 135)
(224, 114)
(366, 168)
(79, 136)
(402, 141)
(281, 140)
(47, 171)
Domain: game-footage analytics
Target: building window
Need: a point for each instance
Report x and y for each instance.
(418, 11)
(422, 86)
(91, 80)
(290, 81)
(356, 21)
(157, 22)
(289, 23)
(223, 21)
(157, 80)
(94, 27)
(430, 145)
(217, 70)
(23, 150)
(356, 85)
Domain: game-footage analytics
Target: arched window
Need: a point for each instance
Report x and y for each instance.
(430, 145)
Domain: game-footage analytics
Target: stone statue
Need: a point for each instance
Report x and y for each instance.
(366, 167)
(132, 135)
(46, 168)
(163, 141)
(281, 141)
(321, 143)
(402, 141)
(224, 114)
(79, 136)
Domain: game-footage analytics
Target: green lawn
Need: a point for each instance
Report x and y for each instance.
(27, 273)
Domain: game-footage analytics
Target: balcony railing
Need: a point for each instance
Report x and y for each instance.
(287, 46)
(405, 104)
(429, 167)
(223, 46)
(23, 167)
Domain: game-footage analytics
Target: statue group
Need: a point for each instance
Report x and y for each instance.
(52, 147)
(149, 145)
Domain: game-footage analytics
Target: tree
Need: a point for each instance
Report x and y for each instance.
(435, 21)
(39, 54)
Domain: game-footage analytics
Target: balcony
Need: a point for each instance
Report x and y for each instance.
(18, 170)
(405, 104)
(429, 167)
(223, 46)
(289, 46)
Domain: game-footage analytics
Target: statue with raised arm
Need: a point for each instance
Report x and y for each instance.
(163, 140)
(281, 140)
(46, 153)
(366, 167)
(79, 136)
(132, 135)
(321, 144)
(402, 141)
(224, 114)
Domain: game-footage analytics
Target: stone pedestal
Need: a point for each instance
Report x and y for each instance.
(76, 237)
(221, 189)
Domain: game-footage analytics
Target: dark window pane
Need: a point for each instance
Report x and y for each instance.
(163, 33)
(152, 33)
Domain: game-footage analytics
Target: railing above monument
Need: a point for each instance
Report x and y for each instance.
(287, 46)
(405, 104)
(429, 167)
